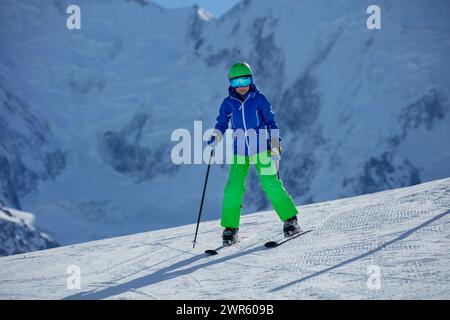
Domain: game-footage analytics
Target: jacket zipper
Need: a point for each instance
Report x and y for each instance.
(243, 120)
(232, 123)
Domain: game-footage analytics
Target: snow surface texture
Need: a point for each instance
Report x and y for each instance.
(404, 232)
(18, 233)
(86, 115)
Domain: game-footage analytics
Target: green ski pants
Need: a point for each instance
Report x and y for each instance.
(234, 190)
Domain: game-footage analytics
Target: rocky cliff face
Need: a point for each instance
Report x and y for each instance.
(28, 151)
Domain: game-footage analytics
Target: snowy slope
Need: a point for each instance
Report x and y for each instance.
(403, 232)
(360, 111)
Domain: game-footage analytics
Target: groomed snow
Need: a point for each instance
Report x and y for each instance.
(404, 232)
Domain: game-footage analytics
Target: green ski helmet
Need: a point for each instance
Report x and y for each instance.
(239, 69)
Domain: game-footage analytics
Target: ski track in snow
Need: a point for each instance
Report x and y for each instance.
(405, 232)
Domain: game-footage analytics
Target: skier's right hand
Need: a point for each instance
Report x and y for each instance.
(215, 138)
(275, 149)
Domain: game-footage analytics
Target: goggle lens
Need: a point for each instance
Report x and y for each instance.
(240, 82)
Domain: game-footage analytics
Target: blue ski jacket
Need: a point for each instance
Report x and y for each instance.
(252, 120)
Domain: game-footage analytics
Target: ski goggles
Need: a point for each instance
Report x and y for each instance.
(241, 82)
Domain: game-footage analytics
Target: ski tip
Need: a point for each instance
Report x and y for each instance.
(211, 252)
(271, 244)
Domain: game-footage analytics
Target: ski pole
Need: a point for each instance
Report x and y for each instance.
(278, 169)
(203, 197)
(277, 165)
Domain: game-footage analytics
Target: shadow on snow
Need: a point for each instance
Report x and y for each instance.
(173, 271)
(403, 236)
(161, 275)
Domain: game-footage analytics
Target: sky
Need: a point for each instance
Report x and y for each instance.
(216, 7)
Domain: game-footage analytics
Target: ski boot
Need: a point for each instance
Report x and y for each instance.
(230, 236)
(291, 227)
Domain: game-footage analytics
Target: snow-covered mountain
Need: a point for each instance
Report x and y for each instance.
(387, 245)
(29, 153)
(89, 113)
(18, 233)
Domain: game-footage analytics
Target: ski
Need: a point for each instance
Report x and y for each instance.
(215, 251)
(274, 244)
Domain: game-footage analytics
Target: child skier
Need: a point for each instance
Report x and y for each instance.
(253, 122)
